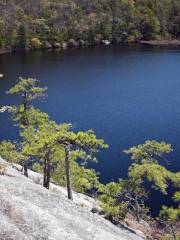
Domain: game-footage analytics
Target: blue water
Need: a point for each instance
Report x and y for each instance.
(127, 94)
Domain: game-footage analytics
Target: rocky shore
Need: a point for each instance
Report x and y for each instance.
(162, 42)
(79, 44)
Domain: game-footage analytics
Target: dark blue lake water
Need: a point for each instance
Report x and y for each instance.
(127, 94)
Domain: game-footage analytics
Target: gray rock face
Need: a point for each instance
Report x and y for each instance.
(29, 211)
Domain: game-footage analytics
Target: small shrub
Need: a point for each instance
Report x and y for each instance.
(37, 168)
(82, 205)
(169, 237)
(35, 43)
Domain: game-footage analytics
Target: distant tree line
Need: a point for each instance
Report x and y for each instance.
(61, 23)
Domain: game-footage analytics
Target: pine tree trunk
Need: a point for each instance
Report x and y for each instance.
(48, 173)
(137, 209)
(25, 169)
(24, 120)
(47, 170)
(68, 173)
(173, 233)
(45, 174)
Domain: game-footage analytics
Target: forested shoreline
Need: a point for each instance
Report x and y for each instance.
(43, 24)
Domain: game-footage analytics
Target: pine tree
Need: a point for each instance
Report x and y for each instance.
(85, 144)
(28, 90)
(52, 142)
(23, 40)
(170, 218)
(129, 195)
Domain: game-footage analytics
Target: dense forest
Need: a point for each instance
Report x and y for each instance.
(37, 24)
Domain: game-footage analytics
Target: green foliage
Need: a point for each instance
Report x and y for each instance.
(170, 218)
(47, 141)
(125, 196)
(150, 24)
(156, 174)
(177, 197)
(146, 166)
(83, 178)
(129, 195)
(2, 39)
(23, 40)
(170, 215)
(27, 24)
(35, 43)
(107, 196)
(37, 168)
(169, 237)
(27, 88)
(175, 178)
(49, 135)
(35, 116)
(149, 151)
(12, 40)
(11, 153)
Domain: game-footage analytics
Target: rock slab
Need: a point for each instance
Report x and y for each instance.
(30, 212)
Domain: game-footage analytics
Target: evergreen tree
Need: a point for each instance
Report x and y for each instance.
(23, 114)
(129, 195)
(51, 142)
(170, 218)
(28, 90)
(23, 40)
(147, 167)
(84, 143)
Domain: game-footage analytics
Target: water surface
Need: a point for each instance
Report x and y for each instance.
(126, 94)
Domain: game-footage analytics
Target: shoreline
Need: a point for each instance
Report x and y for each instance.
(5, 50)
(174, 43)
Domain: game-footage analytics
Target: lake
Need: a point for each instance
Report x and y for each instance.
(126, 94)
